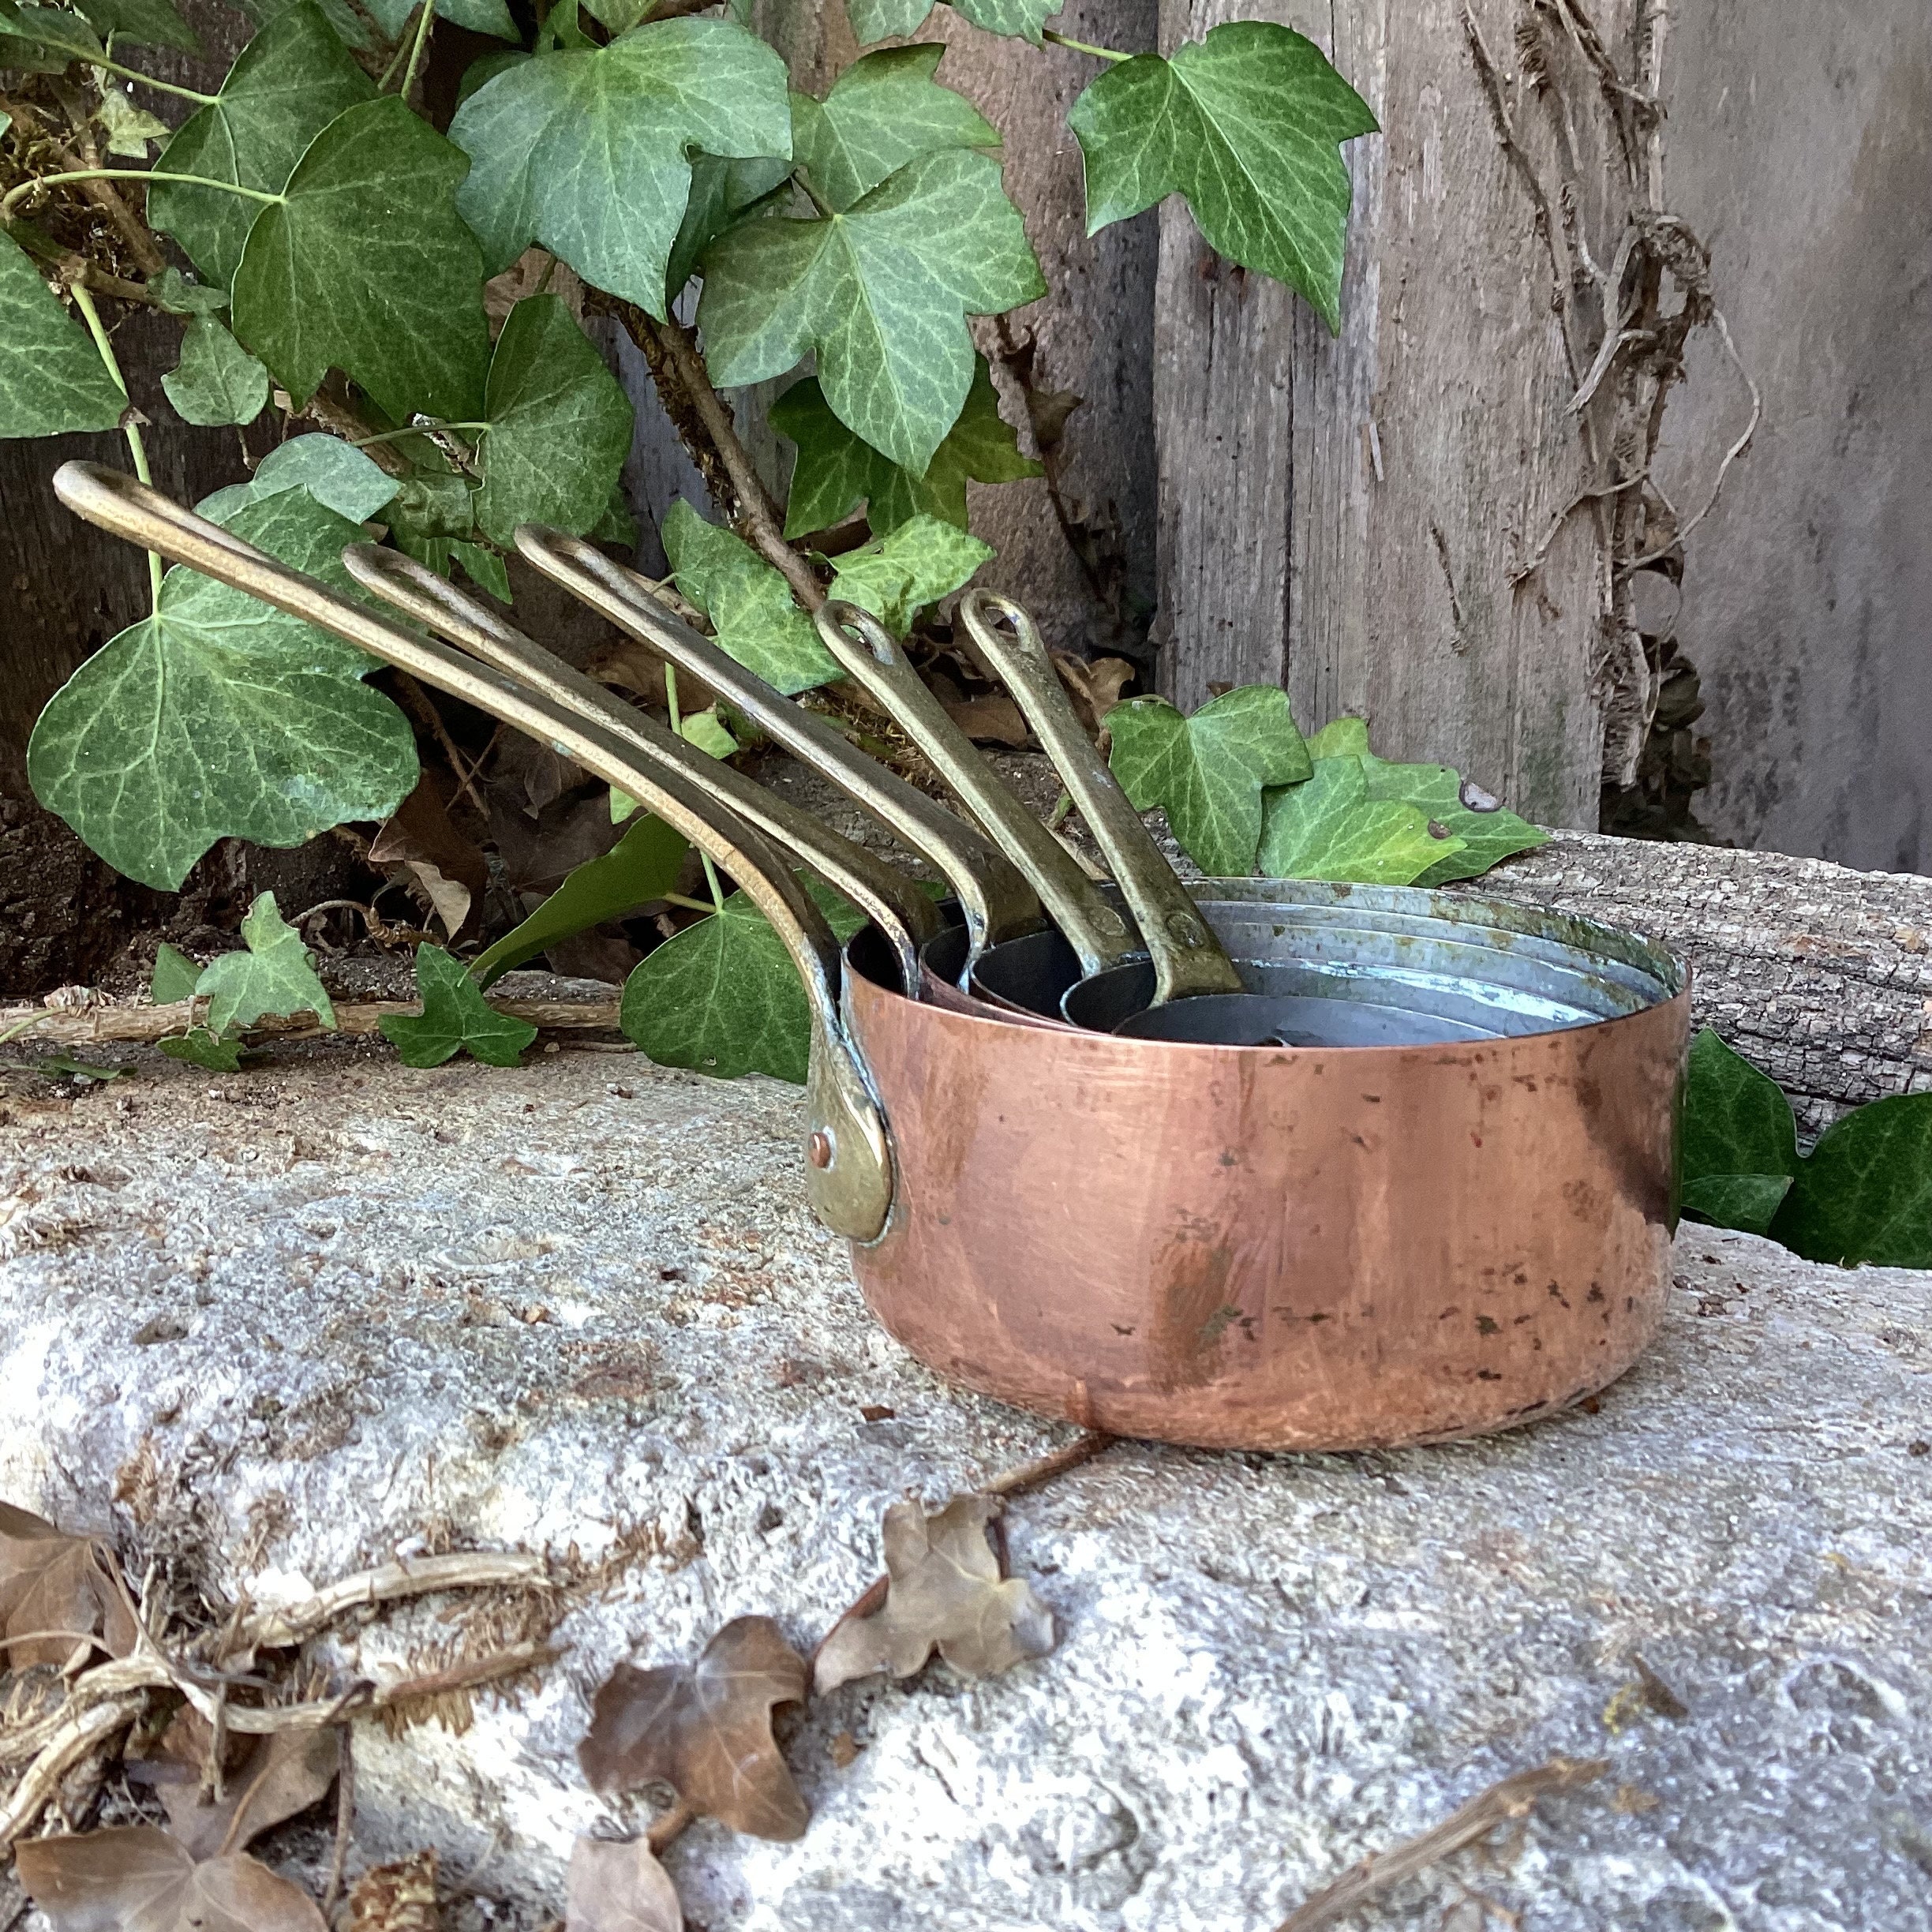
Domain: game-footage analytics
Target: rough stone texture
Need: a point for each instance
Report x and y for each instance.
(309, 1319)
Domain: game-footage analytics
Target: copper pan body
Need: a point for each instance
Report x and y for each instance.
(1268, 1248)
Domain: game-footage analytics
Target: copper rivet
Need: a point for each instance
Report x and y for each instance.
(818, 1149)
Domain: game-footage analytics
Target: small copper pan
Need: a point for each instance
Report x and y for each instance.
(1264, 1248)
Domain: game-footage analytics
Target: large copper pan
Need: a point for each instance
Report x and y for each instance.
(1237, 1247)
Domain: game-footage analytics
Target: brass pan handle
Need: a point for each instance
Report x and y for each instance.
(997, 901)
(889, 898)
(1099, 937)
(1188, 958)
(849, 1175)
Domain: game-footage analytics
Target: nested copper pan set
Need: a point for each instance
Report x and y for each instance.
(1250, 1164)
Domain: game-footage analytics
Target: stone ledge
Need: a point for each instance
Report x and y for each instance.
(312, 1318)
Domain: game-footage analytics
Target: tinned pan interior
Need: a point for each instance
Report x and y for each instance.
(1284, 1247)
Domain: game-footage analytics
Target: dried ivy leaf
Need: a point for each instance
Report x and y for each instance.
(750, 604)
(619, 1887)
(286, 1772)
(455, 1016)
(948, 1593)
(50, 1581)
(400, 1897)
(274, 976)
(705, 1729)
(837, 471)
(448, 869)
(1247, 123)
(290, 81)
(136, 1878)
(1209, 770)
(52, 378)
(1328, 827)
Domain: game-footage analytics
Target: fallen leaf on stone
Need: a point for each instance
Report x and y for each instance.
(397, 1898)
(619, 1887)
(993, 719)
(705, 1729)
(286, 1772)
(947, 1592)
(136, 1878)
(54, 1582)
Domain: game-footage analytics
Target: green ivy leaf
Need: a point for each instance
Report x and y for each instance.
(724, 997)
(335, 473)
(1248, 123)
(146, 23)
(890, 20)
(454, 1017)
(64, 37)
(588, 152)
(895, 576)
(200, 1047)
(884, 110)
(722, 192)
(435, 502)
(560, 425)
(179, 296)
(643, 865)
(275, 977)
(351, 26)
(367, 267)
(708, 732)
(1864, 1192)
(128, 128)
(217, 716)
(1208, 770)
(1486, 833)
(52, 378)
(881, 293)
(217, 380)
(1736, 1120)
(483, 16)
(1329, 828)
(175, 976)
(292, 80)
(751, 606)
(837, 471)
(1746, 1201)
(488, 571)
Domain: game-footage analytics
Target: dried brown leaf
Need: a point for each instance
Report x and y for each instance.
(52, 1582)
(619, 1887)
(705, 1729)
(947, 1592)
(136, 1878)
(534, 269)
(448, 869)
(1095, 687)
(286, 1772)
(992, 719)
(397, 1898)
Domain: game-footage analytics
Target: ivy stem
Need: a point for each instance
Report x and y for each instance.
(1084, 47)
(84, 302)
(415, 429)
(26, 188)
(134, 73)
(423, 27)
(677, 725)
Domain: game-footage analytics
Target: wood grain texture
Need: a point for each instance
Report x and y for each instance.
(1341, 516)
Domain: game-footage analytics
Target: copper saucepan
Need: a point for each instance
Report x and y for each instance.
(1261, 1248)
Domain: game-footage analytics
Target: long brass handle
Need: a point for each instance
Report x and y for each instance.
(1188, 958)
(1099, 937)
(849, 1175)
(893, 902)
(997, 901)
